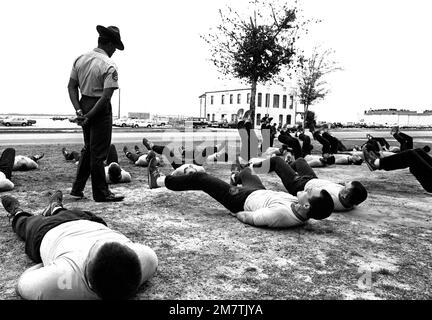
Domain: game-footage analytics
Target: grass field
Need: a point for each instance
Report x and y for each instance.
(381, 250)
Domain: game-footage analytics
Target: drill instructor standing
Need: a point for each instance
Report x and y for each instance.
(95, 74)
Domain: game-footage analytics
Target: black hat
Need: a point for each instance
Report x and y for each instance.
(111, 33)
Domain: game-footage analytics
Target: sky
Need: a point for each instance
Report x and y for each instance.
(383, 47)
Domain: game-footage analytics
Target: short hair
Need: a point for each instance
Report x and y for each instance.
(115, 272)
(321, 207)
(356, 194)
(114, 172)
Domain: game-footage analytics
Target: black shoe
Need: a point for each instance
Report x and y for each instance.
(151, 155)
(11, 205)
(137, 150)
(146, 143)
(55, 201)
(153, 173)
(370, 157)
(77, 195)
(37, 157)
(235, 171)
(125, 150)
(110, 198)
(426, 149)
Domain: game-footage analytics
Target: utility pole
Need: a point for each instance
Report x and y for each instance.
(119, 105)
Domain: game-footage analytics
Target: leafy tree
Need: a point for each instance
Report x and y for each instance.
(255, 47)
(310, 78)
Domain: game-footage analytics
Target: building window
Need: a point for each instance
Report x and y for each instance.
(280, 118)
(259, 99)
(231, 99)
(258, 118)
(275, 101)
(223, 99)
(211, 100)
(238, 98)
(267, 102)
(208, 116)
(248, 98)
(291, 102)
(288, 117)
(284, 101)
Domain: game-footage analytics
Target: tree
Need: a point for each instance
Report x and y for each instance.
(310, 78)
(256, 47)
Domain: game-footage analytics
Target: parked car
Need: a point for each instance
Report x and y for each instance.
(223, 124)
(17, 121)
(122, 122)
(214, 124)
(140, 123)
(199, 122)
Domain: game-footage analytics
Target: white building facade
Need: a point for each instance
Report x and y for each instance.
(275, 101)
(389, 117)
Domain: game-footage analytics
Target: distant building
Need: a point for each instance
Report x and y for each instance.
(276, 101)
(139, 115)
(400, 117)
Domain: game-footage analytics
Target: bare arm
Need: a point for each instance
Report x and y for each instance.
(73, 94)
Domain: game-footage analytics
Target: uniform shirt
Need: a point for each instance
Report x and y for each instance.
(5, 183)
(63, 251)
(125, 176)
(330, 187)
(266, 208)
(24, 163)
(94, 71)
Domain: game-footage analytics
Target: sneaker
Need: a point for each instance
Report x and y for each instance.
(153, 173)
(55, 202)
(65, 153)
(370, 157)
(11, 205)
(77, 195)
(151, 155)
(147, 143)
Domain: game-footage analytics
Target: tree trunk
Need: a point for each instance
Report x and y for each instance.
(306, 108)
(252, 102)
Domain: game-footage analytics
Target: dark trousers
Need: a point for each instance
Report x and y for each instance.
(74, 155)
(32, 228)
(198, 157)
(306, 146)
(97, 140)
(291, 142)
(112, 155)
(293, 177)
(406, 141)
(232, 198)
(328, 142)
(418, 162)
(7, 160)
(249, 140)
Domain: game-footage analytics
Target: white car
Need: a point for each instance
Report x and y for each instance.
(122, 122)
(16, 121)
(140, 123)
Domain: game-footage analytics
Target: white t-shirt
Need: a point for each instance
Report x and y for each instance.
(24, 163)
(332, 188)
(267, 208)
(63, 251)
(5, 184)
(125, 176)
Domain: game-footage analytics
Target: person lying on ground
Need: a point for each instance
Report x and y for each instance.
(417, 160)
(113, 172)
(139, 158)
(316, 161)
(299, 176)
(26, 163)
(199, 157)
(379, 145)
(78, 257)
(251, 203)
(6, 165)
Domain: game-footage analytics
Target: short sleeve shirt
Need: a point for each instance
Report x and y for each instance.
(94, 72)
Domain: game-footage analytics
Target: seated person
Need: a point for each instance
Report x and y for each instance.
(251, 203)
(6, 165)
(78, 257)
(299, 176)
(207, 154)
(24, 163)
(139, 158)
(406, 141)
(417, 160)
